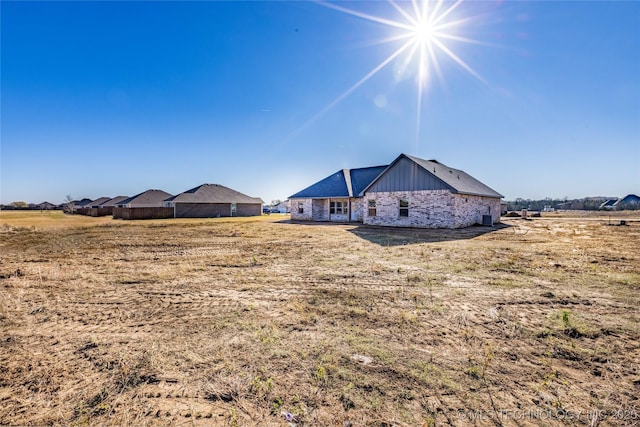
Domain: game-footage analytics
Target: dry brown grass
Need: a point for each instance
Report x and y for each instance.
(239, 322)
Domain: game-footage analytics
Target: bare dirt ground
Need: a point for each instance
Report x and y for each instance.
(268, 322)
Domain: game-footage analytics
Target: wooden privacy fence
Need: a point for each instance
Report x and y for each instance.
(142, 213)
(98, 211)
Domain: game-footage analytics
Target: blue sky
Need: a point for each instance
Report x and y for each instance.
(114, 98)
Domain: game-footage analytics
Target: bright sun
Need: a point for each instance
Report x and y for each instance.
(423, 30)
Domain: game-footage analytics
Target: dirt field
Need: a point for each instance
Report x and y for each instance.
(267, 322)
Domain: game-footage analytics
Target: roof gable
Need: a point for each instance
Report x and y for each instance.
(213, 193)
(97, 202)
(407, 173)
(149, 197)
(115, 201)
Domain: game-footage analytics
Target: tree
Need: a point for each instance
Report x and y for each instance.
(68, 204)
(20, 205)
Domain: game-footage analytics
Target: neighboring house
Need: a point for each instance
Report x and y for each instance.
(104, 206)
(46, 206)
(282, 207)
(147, 205)
(98, 202)
(91, 208)
(76, 206)
(410, 192)
(212, 201)
(608, 204)
(630, 201)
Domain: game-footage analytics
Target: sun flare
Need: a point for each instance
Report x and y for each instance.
(423, 31)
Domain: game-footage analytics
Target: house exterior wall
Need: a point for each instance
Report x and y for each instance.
(248, 209)
(430, 209)
(202, 210)
(470, 209)
(357, 205)
(306, 207)
(319, 210)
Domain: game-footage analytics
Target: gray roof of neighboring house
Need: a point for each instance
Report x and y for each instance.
(213, 193)
(146, 198)
(459, 181)
(343, 183)
(82, 203)
(97, 202)
(113, 202)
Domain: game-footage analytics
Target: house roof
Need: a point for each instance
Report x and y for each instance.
(213, 193)
(146, 198)
(459, 181)
(113, 202)
(343, 183)
(98, 202)
(82, 203)
(608, 203)
(45, 205)
(629, 198)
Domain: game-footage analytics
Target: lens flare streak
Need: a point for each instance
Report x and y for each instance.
(426, 27)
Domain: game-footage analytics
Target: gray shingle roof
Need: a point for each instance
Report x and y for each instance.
(97, 202)
(343, 183)
(149, 197)
(82, 203)
(113, 202)
(459, 180)
(213, 193)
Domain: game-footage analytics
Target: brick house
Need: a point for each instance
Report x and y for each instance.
(212, 201)
(410, 192)
(146, 205)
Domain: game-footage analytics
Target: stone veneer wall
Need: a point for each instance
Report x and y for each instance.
(306, 206)
(470, 209)
(431, 209)
(318, 210)
(357, 209)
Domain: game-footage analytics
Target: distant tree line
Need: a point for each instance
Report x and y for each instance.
(587, 203)
(20, 205)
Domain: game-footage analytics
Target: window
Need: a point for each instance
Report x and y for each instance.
(372, 208)
(234, 209)
(404, 207)
(340, 208)
(300, 207)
